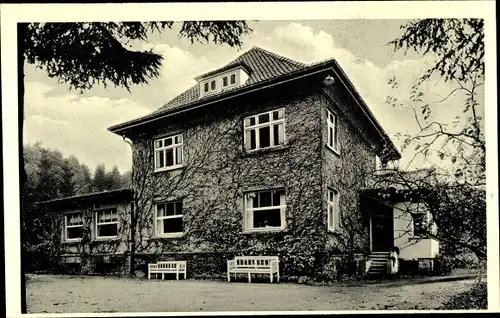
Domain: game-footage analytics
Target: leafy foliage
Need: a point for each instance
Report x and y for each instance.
(85, 54)
(457, 45)
(453, 190)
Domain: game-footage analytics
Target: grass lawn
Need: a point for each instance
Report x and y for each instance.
(71, 294)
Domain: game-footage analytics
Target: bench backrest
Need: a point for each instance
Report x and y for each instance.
(171, 264)
(255, 261)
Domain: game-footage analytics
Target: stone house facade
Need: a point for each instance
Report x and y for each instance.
(263, 156)
(267, 166)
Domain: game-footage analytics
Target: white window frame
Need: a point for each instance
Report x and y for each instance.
(66, 227)
(427, 218)
(247, 128)
(333, 139)
(175, 148)
(210, 85)
(161, 218)
(97, 223)
(249, 210)
(333, 210)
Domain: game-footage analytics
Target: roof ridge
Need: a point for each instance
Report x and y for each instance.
(280, 57)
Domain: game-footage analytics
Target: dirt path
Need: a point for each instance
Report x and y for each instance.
(56, 294)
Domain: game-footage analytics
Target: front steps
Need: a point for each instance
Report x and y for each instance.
(377, 262)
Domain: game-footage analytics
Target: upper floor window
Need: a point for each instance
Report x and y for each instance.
(233, 79)
(205, 87)
(168, 219)
(106, 223)
(73, 226)
(333, 210)
(265, 130)
(213, 85)
(332, 131)
(224, 81)
(265, 210)
(168, 152)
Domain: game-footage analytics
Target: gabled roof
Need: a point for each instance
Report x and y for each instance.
(261, 64)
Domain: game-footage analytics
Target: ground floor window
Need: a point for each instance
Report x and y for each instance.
(73, 226)
(421, 221)
(265, 210)
(106, 223)
(169, 219)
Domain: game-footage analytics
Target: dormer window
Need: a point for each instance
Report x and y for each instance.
(218, 82)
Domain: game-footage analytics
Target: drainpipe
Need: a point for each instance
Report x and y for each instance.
(132, 217)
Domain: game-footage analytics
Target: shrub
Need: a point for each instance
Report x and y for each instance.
(445, 264)
(474, 298)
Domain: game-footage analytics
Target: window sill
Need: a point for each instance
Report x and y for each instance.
(166, 237)
(257, 152)
(69, 242)
(170, 168)
(334, 232)
(106, 239)
(268, 230)
(335, 152)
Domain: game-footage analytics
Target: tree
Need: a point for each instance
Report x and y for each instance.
(85, 54)
(457, 45)
(454, 196)
(99, 182)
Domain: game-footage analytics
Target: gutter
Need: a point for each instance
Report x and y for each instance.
(89, 196)
(245, 90)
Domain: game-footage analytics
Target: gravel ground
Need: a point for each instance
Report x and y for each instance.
(57, 294)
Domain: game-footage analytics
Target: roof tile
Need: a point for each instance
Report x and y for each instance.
(263, 65)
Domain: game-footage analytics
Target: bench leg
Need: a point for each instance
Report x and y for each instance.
(162, 276)
(271, 276)
(278, 278)
(177, 275)
(249, 278)
(149, 275)
(228, 276)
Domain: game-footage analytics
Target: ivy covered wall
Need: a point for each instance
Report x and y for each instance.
(91, 254)
(218, 172)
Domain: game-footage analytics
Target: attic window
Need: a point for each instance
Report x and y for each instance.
(233, 79)
(213, 85)
(206, 88)
(224, 81)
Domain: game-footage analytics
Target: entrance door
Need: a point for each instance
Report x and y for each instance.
(382, 228)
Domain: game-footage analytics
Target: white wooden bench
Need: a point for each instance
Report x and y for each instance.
(254, 265)
(167, 267)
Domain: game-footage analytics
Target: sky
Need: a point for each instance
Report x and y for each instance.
(76, 124)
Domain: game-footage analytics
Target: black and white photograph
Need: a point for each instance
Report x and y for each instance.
(250, 158)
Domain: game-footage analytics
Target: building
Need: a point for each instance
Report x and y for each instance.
(263, 156)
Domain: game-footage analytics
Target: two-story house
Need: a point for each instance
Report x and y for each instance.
(263, 156)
